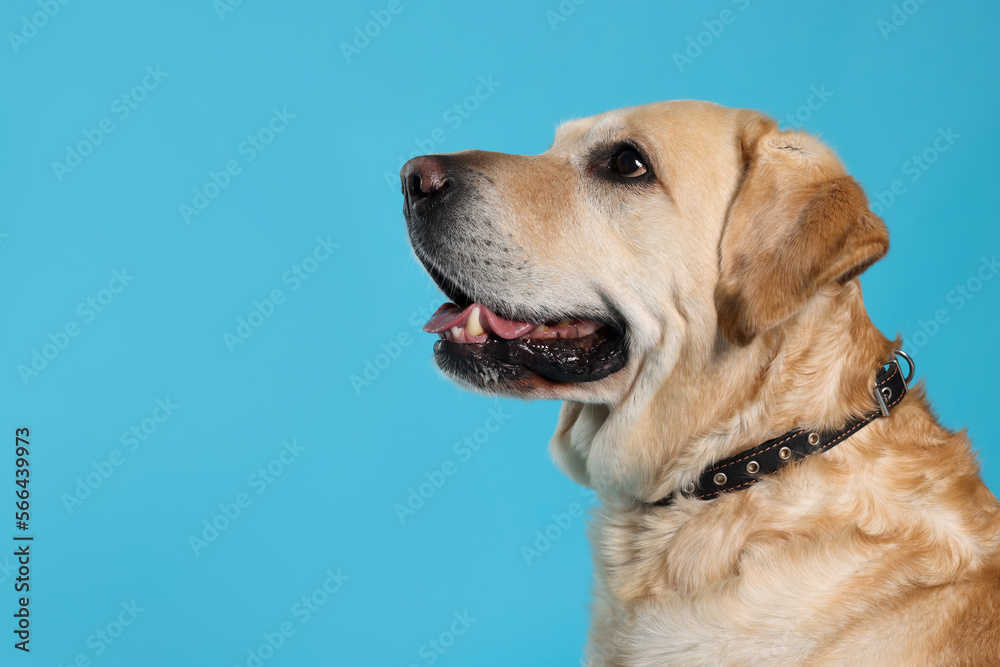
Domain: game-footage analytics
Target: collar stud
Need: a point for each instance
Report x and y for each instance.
(772, 456)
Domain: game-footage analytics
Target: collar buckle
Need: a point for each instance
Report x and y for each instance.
(884, 393)
(751, 465)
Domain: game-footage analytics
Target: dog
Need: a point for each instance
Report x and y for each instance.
(684, 277)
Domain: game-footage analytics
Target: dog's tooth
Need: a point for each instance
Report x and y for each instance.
(456, 332)
(473, 326)
(564, 323)
(540, 327)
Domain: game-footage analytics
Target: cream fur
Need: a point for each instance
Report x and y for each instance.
(737, 279)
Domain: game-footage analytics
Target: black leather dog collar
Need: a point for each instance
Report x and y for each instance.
(752, 465)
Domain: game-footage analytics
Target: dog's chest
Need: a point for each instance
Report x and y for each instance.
(674, 592)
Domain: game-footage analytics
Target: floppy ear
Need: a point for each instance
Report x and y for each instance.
(797, 223)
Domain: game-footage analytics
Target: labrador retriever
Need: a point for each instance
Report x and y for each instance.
(684, 276)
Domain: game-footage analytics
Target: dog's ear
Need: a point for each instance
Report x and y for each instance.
(797, 223)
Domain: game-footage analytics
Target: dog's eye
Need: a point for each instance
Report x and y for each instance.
(629, 164)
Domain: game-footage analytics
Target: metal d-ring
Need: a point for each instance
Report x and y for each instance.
(909, 362)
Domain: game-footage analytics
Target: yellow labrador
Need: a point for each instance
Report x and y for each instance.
(684, 277)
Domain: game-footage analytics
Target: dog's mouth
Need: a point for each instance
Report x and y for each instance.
(478, 343)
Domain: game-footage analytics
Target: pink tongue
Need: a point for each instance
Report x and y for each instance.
(450, 315)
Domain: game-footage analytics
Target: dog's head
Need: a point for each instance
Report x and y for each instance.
(644, 239)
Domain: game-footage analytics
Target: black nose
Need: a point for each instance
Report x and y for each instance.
(424, 178)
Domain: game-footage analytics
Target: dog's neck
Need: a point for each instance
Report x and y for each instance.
(815, 370)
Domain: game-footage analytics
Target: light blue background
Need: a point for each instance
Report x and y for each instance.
(324, 175)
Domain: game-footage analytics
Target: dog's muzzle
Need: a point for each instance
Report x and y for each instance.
(487, 335)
